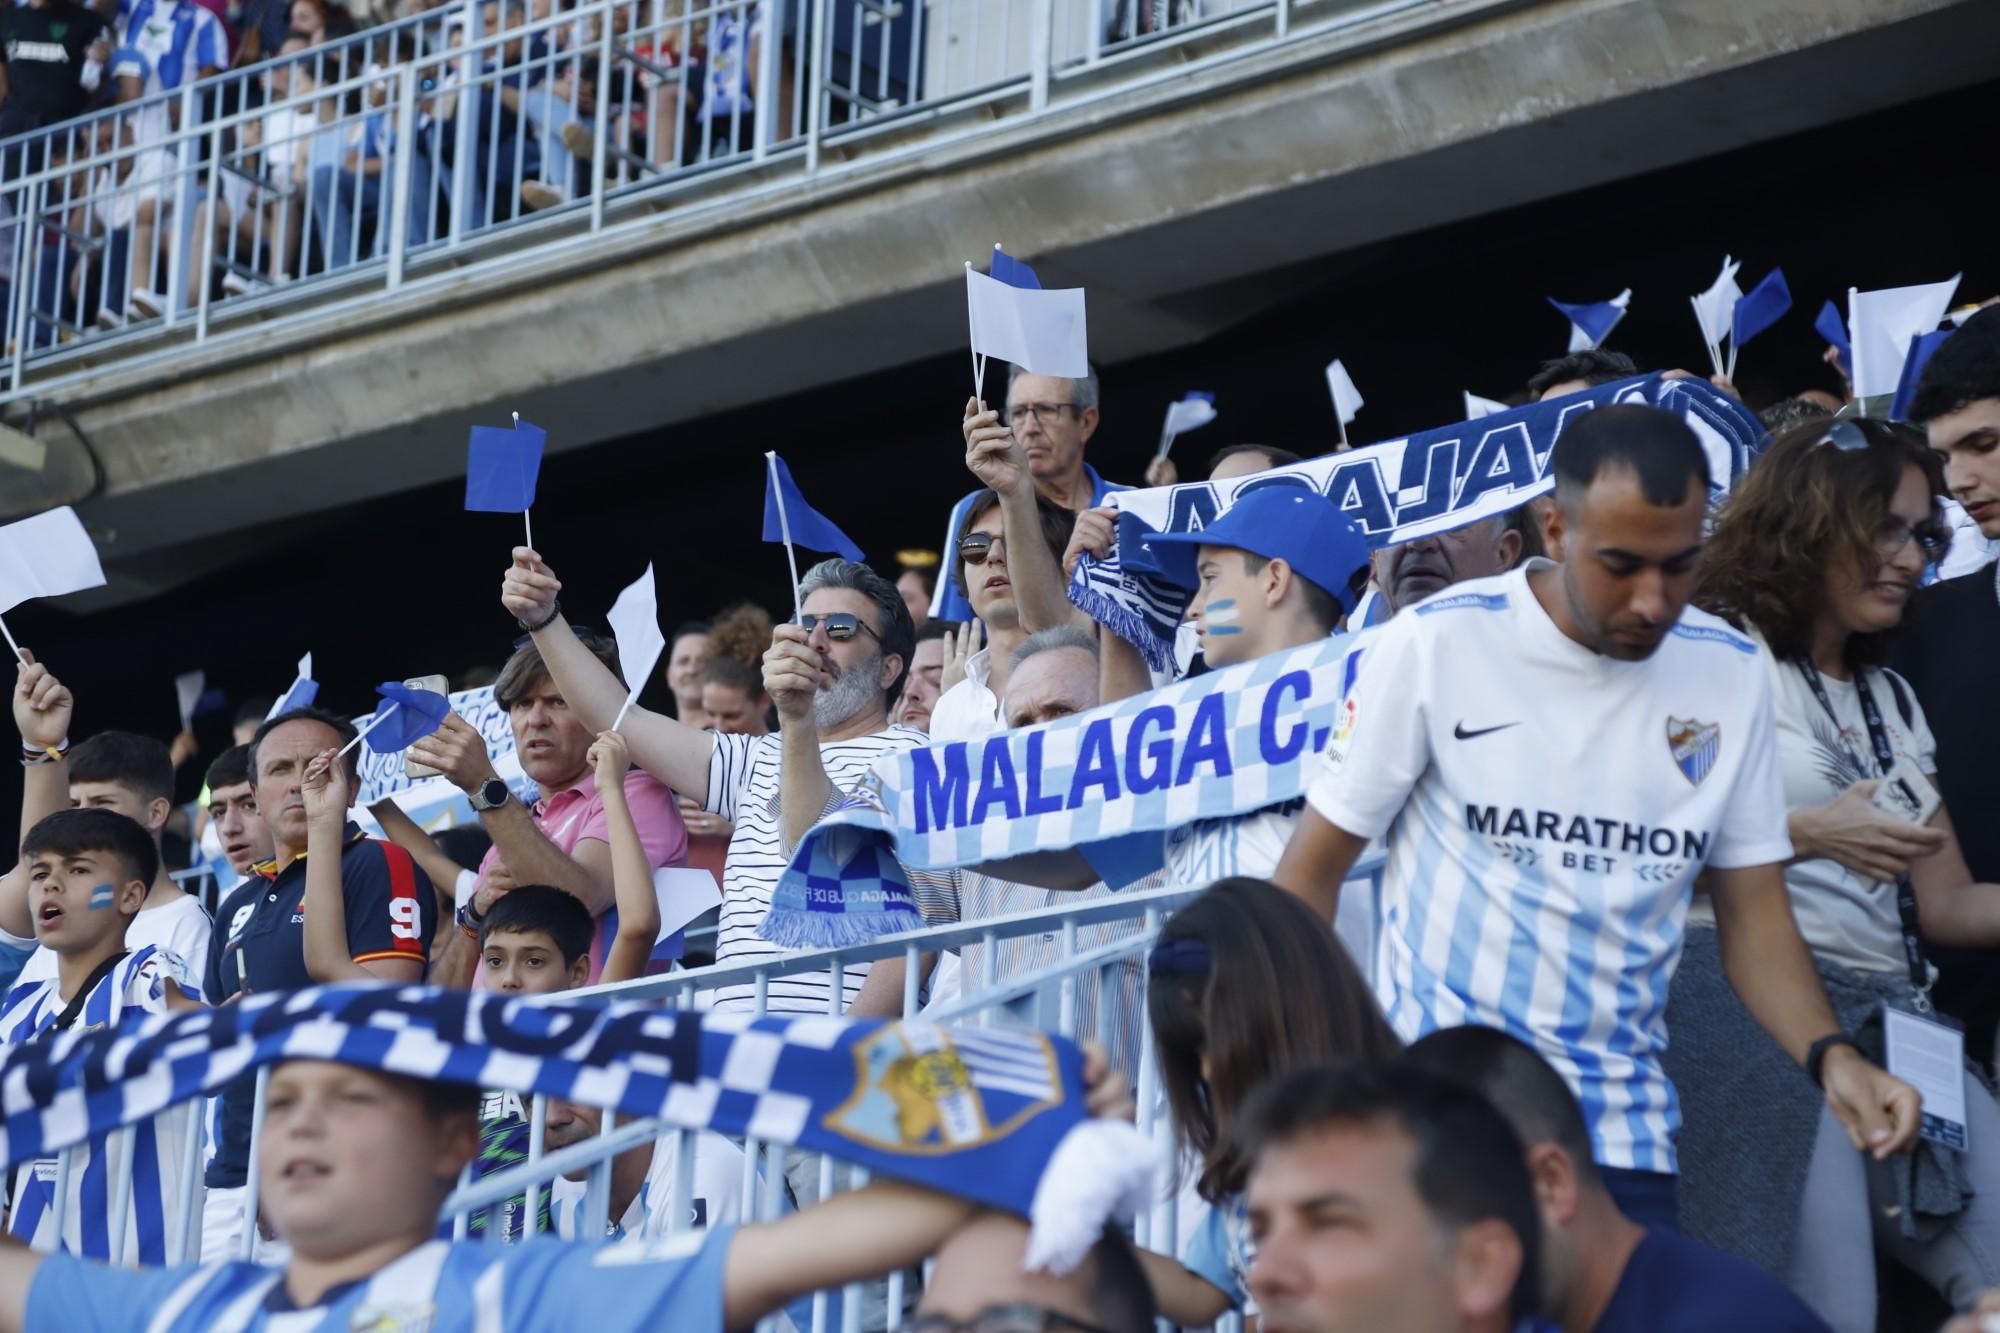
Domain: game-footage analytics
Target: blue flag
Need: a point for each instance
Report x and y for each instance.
(501, 467)
(787, 516)
(1760, 308)
(1833, 328)
(304, 690)
(406, 717)
(1921, 348)
(1013, 272)
(1591, 323)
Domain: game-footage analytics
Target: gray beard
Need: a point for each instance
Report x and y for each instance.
(851, 691)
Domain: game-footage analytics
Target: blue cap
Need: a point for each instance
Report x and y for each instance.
(1300, 527)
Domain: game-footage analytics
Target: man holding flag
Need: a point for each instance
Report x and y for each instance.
(1052, 419)
(832, 674)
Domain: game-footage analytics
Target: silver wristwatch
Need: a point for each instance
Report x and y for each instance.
(491, 795)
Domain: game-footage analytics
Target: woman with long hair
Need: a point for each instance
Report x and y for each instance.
(1815, 557)
(1245, 982)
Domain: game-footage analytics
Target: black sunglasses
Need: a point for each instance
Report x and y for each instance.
(974, 547)
(840, 625)
(1844, 436)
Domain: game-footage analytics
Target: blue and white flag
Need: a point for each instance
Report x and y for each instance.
(983, 1114)
(1396, 491)
(1192, 412)
(1921, 349)
(1114, 779)
(1882, 325)
(1591, 322)
(1013, 318)
(304, 689)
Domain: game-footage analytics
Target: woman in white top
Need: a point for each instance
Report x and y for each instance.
(1817, 555)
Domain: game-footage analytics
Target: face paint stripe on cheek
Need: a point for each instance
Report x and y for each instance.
(1219, 617)
(104, 895)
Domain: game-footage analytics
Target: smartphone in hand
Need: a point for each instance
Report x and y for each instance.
(436, 685)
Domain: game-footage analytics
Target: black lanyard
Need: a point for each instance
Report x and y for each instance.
(1885, 763)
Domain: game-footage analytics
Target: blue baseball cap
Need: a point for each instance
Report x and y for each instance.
(1302, 528)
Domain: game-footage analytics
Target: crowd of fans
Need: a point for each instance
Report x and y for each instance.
(1631, 1074)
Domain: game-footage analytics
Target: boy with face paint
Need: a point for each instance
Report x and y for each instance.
(1281, 569)
(88, 874)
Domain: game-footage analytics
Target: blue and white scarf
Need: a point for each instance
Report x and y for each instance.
(1397, 491)
(983, 1114)
(1111, 781)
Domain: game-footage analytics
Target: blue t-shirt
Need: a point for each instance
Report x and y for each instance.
(469, 1287)
(1219, 1251)
(1675, 1285)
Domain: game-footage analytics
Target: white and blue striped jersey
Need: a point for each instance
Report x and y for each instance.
(469, 1287)
(178, 38)
(154, 1213)
(1546, 810)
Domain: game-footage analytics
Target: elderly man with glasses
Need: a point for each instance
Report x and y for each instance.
(1050, 419)
(563, 839)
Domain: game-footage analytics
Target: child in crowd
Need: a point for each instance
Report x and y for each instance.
(354, 1166)
(1245, 984)
(88, 874)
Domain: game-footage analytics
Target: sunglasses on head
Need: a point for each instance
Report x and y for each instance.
(1844, 436)
(1933, 535)
(974, 547)
(840, 625)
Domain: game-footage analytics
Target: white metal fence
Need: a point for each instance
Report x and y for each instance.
(329, 175)
(1045, 998)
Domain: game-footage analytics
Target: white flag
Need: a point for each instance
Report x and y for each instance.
(1346, 398)
(1477, 407)
(1190, 413)
(635, 620)
(684, 893)
(1881, 324)
(46, 556)
(1715, 309)
(1041, 332)
(187, 689)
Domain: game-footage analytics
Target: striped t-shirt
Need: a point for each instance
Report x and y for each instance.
(153, 1219)
(743, 787)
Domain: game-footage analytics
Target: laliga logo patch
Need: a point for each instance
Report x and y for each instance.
(1694, 745)
(1346, 727)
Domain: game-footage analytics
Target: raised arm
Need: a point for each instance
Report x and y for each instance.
(631, 869)
(43, 709)
(404, 831)
(324, 791)
(1767, 962)
(997, 459)
(791, 678)
(1122, 671)
(676, 755)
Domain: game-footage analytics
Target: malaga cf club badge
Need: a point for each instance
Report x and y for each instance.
(1695, 745)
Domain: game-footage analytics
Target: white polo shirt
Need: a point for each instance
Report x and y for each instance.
(1546, 810)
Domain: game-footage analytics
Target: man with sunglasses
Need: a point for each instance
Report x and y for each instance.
(563, 839)
(832, 676)
(1051, 419)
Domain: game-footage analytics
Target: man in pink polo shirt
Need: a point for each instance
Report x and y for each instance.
(562, 839)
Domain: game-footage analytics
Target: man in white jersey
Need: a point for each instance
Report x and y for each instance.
(832, 677)
(113, 770)
(1552, 756)
(354, 1167)
(88, 871)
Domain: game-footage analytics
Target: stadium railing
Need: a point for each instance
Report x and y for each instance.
(623, 108)
(1044, 998)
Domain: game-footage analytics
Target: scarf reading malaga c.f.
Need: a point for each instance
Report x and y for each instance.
(1397, 491)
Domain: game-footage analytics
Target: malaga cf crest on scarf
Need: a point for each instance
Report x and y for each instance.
(920, 1088)
(1695, 746)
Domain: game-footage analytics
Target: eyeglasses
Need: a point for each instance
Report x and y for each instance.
(974, 547)
(1045, 413)
(1005, 1319)
(1931, 534)
(840, 626)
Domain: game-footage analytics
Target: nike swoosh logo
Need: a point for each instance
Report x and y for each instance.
(1462, 734)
